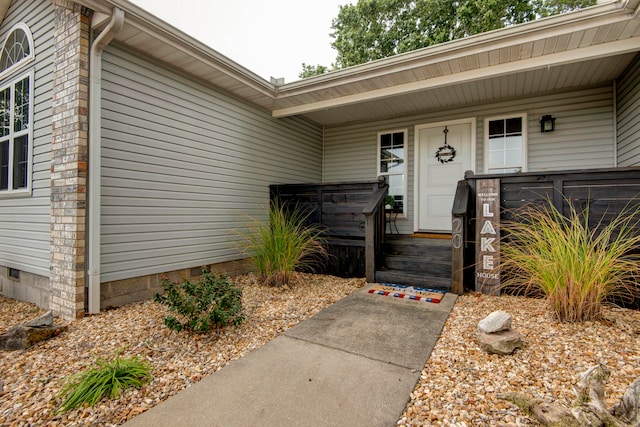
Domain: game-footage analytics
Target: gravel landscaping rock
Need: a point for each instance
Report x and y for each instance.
(460, 384)
(31, 379)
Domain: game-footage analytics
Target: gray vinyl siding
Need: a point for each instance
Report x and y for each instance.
(628, 109)
(583, 137)
(24, 221)
(584, 131)
(183, 166)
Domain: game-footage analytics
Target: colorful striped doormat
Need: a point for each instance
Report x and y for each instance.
(407, 292)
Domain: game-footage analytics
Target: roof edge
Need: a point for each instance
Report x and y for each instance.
(152, 24)
(615, 9)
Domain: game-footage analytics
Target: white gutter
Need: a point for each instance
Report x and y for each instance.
(93, 187)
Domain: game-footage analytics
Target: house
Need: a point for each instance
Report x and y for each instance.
(131, 150)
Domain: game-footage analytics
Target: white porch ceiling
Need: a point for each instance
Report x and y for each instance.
(584, 48)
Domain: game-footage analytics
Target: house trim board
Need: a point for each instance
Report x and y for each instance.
(548, 61)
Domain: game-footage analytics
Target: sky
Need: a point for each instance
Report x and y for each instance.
(271, 38)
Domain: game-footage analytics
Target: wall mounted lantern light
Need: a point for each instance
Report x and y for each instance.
(547, 123)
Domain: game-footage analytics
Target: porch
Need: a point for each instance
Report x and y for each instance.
(362, 242)
(361, 238)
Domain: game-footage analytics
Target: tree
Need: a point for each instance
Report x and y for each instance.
(375, 29)
(312, 70)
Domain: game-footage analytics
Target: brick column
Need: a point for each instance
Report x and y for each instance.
(69, 159)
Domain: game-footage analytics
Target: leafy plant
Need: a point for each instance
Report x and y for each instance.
(108, 379)
(283, 244)
(578, 268)
(389, 200)
(206, 303)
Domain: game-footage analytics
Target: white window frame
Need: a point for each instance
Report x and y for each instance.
(26, 191)
(405, 133)
(27, 59)
(525, 137)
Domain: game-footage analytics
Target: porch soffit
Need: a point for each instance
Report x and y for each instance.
(611, 45)
(548, 54)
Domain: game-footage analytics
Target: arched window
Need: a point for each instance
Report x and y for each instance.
(17, 48)
(16, 112)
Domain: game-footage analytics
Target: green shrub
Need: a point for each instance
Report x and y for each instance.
(283, 244)
(109, 379)
(206, 303)
(576, 267)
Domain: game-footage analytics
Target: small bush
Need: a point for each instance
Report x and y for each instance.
(578, 268)
(209, 302)
(109, 379)
(283, 244)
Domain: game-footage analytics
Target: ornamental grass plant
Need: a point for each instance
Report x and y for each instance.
(108, 379)
(283, 244)
(578, 268)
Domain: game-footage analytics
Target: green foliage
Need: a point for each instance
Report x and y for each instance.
(376, 29)
(312, 70)
(108, 379)
(283, 244)
(206, 303)
(578, 268)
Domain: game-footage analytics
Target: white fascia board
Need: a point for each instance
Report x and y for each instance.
(547, 61)
(161, 30)
(496, 39)
(209, 57)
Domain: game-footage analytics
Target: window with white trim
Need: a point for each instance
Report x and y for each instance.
(17, 49)
(506, 144)
(16, 112)
(392, 149)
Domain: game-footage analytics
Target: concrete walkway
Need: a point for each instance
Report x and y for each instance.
(353, 364)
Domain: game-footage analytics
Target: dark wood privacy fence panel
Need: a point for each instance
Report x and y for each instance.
(606, 193)
(337, 207)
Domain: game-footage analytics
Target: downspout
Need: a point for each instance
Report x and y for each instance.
(322, 173)
(615, 124)
(94, 184)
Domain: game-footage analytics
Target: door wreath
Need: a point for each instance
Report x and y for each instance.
(446, 153)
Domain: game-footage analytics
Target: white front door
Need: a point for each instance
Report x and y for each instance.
(437, 177)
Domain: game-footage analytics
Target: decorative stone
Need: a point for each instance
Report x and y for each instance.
(42, 321)
(503, 342)
(495, 322)
(23, 336)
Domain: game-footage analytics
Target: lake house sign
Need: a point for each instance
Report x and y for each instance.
(487, 274)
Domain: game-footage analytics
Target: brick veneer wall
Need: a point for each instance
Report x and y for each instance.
(69, 159)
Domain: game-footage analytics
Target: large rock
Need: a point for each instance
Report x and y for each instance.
(495, 322)
(42, 321)
(29, 333)
(503, 342)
